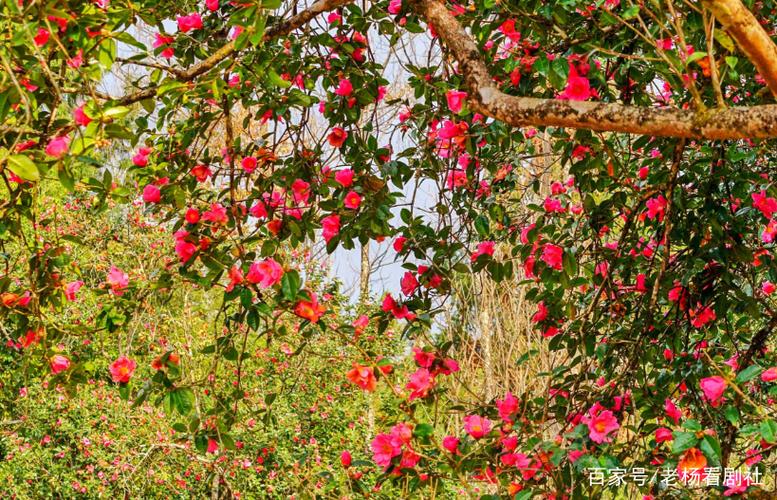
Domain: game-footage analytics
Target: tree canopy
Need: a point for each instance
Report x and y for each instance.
(611, 158)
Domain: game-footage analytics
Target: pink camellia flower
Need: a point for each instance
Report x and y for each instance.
(421, 382)
(384, 448)
(213, 446)
(258, 210)
(345, 459)
(656, 207)
(152, 194)
(507, 407)
(360, 323)
(455, 100)
(664, 44)
(140, 160)
(769, 375)
(344, 177)
(477, 426)
(770, 232)
(344, 88)
(552, 255)
(541, 314)
(331, 227)
(713, 388)
(122, 369)
(216, 215)
(265, 273)
(184, 249)
(212, 5)
(117, 280)
(423, 358)
(600, 425)
(352, 200)
(766, 204)
(189, 23)
(395, 7)
(574, 455)
(58, 146)
(672, 411)
(409, 283)
(41, 37)
(77, 61)
(249, 164)
(578, 87)
(59, 363)
(80, 117)
(483, 248)
(451, 443)
(768, 287)
(71, 289)
(161, 40)
(663, 434)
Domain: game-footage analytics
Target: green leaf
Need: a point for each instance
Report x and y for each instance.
(116, 113)
(276, 80)
(749, 373)
(290, 284)
(695, 57)
(711, 449)
(631, 12)
(731, 414)
(66, 179)
(423, 430)
(24, 167)
(725, 40)
(768, 431)
(683, 441)
(180, 400)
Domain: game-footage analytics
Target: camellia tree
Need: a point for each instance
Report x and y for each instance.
(261, 127)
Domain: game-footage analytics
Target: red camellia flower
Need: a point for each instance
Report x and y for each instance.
(692, 463)
(310, 310)
(363, 376)
(122, 369)
(337, 137)
(409, 283)
(345, 459)
(41, 37)
(201, 173)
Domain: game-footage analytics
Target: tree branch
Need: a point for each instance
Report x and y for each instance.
(277, 30)
(743, 27)
(484, 97)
